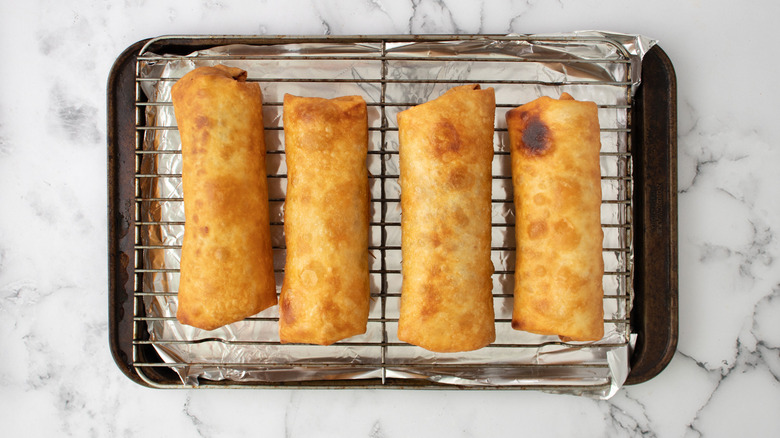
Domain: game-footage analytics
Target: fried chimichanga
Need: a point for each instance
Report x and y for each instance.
(325, 294)
(446, 150)
(557, 190)
(226, 260)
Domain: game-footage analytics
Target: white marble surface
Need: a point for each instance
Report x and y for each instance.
(57, 377)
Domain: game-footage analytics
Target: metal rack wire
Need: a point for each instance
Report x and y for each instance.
(395, 70)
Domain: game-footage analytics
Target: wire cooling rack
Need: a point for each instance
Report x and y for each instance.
(392, 74)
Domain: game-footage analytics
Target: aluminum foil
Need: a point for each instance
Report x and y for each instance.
(594, 66)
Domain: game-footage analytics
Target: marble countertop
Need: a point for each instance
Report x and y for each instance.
(57, 376)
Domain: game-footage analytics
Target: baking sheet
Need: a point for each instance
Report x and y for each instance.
(590, 66)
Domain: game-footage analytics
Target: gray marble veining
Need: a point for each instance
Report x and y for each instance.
(57, 377)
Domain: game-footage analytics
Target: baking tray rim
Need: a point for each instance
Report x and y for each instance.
(653, 359)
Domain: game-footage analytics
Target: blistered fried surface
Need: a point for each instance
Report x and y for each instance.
(446, 149)
(226, 262)
(557, 190)
(325, 294)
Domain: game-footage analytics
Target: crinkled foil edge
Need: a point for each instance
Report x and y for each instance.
(284, 367)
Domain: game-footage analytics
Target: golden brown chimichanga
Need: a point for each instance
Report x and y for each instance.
(325, 294)
(557, 190)
(226, 260)
(446, 150)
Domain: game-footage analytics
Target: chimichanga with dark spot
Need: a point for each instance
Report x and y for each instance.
(325, 295)
(226, 260)
(446, 151)
(557, 190)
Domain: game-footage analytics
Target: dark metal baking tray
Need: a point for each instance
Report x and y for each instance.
(654, 153)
